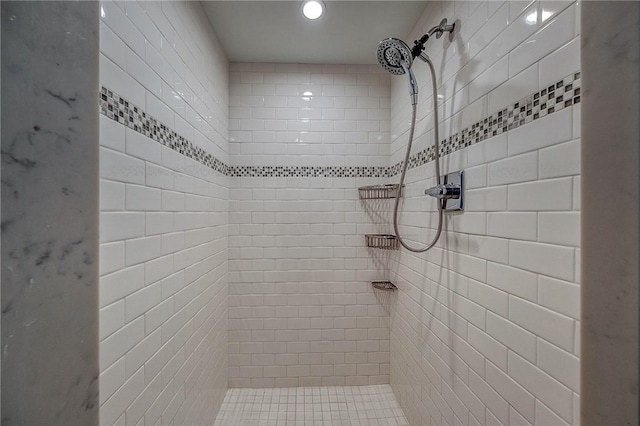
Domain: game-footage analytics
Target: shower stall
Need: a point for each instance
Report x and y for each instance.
(194, 236)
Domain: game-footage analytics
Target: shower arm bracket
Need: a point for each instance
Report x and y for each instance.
(438, 30)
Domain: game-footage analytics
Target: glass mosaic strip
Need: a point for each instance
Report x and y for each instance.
(121, 110)
(553, 98)
(307, 171)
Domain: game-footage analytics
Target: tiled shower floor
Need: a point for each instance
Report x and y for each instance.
(313, 406)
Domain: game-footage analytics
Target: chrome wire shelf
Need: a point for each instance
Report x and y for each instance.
(382, 241)
(384, 285)
(389, 190)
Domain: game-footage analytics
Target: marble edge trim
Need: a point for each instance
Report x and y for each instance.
(553, 98)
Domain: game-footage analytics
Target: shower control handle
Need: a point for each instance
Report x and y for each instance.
(451, 191)
(446, 191)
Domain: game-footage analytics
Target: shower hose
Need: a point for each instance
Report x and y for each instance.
(436, 147)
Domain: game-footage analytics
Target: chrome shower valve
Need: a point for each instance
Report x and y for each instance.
(451, 191)
(446, 191)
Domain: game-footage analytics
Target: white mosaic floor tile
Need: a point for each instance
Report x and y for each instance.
(314, 406)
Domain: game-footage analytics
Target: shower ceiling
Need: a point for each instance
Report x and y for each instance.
(276, 31)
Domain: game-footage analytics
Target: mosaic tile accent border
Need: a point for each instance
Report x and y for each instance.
(119, 109)
(553, 98)
(308, 171)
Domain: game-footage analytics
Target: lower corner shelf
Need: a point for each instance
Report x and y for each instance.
(384, 285)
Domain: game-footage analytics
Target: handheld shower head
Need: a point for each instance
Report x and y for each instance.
(392, 52)
(395, 56)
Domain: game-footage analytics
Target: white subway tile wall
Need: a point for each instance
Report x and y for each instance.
(302, 311)
(164, 219)
(301, 308)
(486, 329)
(308, 115)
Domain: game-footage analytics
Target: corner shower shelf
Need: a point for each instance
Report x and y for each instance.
(379, 191)
(382, 241)
(384, 285)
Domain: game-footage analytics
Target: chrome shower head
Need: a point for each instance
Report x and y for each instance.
(394, 55)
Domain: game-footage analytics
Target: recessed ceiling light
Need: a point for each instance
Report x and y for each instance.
(312, 9)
